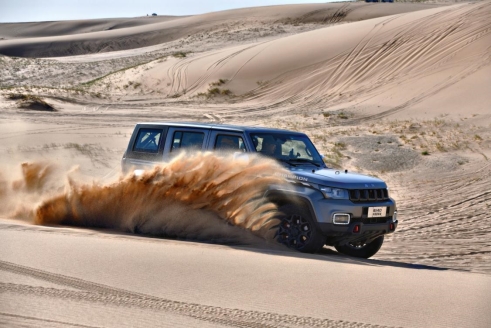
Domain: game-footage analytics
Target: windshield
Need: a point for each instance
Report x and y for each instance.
(291, 148)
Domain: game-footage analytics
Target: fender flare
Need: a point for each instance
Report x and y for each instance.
(283, 197)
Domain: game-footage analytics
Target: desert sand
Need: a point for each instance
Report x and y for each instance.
(401, 91)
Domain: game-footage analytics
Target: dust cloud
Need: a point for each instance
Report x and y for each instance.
(19, 195)
(200, 196)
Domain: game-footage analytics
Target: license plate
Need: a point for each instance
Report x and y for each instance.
(377, 212)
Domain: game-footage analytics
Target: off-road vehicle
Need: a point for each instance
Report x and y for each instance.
(324, 206)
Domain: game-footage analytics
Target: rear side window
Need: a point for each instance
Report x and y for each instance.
(228, 142)
(148, 140)
(186, 139)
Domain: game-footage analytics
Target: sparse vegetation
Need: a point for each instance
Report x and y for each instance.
(343, 116)
(29, 101)
(18, 96)
(180, 54)
(215, 91)
(335, 156)
(437, 135)
(218, 83)
(340, 145)
(120, 70)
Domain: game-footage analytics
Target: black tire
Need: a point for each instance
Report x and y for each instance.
(364, 251)
(298, 230)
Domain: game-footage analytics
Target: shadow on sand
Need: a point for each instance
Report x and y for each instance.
(327, 254)
(267, 248)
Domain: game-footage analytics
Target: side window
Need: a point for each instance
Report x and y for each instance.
(148, 140)
(228, 142)
(267, 144)
(185, 139)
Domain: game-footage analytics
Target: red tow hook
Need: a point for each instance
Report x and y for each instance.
(356, 228)
(392, 227)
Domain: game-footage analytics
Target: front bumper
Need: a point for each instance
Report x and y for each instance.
(326, 208)
(366, 232)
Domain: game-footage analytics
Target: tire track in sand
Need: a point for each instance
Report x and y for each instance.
(376, 62)
(93, 292)
(44, 321)
(450, 228)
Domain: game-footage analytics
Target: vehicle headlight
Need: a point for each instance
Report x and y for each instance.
(334, 193)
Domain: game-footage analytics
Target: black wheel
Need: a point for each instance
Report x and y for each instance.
(364, 250)
(298, 231)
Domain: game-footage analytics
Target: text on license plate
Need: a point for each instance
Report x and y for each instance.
(377, 212)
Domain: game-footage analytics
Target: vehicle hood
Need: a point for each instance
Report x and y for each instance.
(335, 178)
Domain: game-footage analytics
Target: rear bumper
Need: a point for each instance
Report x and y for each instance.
(342, 234)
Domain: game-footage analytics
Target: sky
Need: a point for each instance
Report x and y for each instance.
(49, 10)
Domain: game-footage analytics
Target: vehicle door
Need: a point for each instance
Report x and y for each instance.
(145, 148)
(185, 139)
(223, 141)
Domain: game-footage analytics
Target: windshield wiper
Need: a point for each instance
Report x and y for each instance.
(303, 161)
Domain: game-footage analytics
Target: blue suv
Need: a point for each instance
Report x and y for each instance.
(324, 206)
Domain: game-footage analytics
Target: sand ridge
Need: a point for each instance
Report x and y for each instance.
(62, 42)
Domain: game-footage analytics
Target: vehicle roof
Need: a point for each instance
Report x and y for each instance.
(218, 126)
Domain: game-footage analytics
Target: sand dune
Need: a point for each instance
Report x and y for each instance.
(377, 65)
(58, 28)
(50, 39)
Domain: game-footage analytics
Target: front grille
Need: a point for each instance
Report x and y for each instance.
(368, 195)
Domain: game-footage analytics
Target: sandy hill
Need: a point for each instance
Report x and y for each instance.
(58, 28)
(407, 65)
(49, 39)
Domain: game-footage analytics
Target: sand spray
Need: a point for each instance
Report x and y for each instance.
(201, 196)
